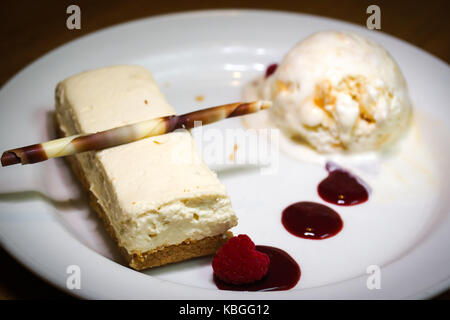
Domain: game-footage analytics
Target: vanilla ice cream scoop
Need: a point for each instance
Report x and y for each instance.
(338, 91)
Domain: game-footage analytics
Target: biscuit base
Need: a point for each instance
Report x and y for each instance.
(143, 260)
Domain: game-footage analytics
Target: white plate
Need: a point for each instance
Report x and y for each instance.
(405, 230)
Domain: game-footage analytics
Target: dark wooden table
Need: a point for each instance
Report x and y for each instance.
(30, 29)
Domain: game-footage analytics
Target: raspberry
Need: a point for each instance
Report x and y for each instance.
(238, 262)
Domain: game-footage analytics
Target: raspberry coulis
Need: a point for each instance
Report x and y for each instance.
(283, 273)
(271, 69)
(342, 188)
(311, 220)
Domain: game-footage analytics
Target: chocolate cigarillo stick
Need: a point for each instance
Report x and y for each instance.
(126, 134)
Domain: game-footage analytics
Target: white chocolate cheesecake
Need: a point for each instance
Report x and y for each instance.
(159, 200)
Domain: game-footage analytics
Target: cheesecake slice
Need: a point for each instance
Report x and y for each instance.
(159, 201)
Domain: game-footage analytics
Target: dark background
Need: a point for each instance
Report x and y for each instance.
(30, 29)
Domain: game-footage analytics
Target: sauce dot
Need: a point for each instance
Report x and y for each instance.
(342, 188)
(311, 220)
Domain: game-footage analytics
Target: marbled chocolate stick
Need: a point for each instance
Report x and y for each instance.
(126, 134)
